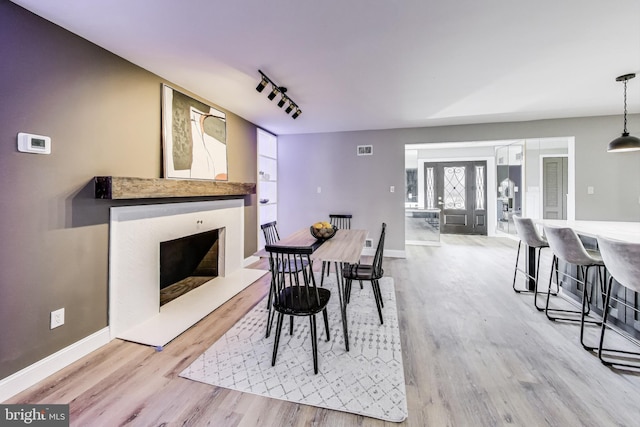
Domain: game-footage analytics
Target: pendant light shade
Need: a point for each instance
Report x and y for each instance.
(625, 142)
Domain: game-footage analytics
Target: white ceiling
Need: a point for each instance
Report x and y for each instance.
(377, 64)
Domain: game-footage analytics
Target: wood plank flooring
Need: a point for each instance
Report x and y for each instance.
(475, 354)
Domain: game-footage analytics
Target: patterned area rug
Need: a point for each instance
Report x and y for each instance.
(368, 380)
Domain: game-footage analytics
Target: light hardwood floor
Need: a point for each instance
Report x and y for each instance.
(475, 354)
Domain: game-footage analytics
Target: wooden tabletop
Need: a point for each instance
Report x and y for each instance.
(301, 237)
(345, 246)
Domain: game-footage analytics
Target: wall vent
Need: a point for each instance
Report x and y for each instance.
(368, 243)
(365, 150)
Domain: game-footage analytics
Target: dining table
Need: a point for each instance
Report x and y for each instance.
(345, 247)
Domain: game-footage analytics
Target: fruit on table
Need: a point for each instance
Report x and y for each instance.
(323, 229)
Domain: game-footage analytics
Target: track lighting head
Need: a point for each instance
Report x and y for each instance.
(275, 90)
(273, 93)
(284, 98)
(289, 107)
(263, 83)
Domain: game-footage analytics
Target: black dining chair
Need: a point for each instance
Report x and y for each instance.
(270, 231)
(341, 222)
(369, 272)
(295, 295)
(271, 236)
(622, 260)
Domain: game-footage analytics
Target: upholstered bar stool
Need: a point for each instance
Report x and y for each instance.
(566, 246)
(528, 234)
(622, 260)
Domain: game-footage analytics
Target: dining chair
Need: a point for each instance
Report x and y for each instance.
(295, 295)
(622, 260)
(567, 247)
(271, 236)
(529, 235)
(340, 221)
(369, 272)
(270, 231)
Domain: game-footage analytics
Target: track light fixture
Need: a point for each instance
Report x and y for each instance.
(275, 90)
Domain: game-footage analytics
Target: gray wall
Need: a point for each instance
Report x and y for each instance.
(360, 185)
(103, 115)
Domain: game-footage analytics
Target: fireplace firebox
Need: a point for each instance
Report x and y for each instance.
(187, 262)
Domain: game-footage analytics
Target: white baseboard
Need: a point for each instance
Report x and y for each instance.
(387, 253)
(40, 370)
(250, 260)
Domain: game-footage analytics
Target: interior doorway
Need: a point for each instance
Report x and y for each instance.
(554, 187)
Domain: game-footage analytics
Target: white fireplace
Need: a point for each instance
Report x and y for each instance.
(135, 313)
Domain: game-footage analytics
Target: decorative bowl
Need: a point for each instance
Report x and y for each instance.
(323, 233)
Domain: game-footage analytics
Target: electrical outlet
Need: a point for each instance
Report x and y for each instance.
(368, 243)
(57, 318)
(392, 189)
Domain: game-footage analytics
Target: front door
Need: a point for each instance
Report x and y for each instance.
(460, 190)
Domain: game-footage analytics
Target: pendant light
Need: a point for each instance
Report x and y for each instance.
(624, 142)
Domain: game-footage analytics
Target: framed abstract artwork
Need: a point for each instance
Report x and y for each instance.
(194, 138)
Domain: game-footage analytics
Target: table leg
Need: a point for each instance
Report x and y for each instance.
(343, 305)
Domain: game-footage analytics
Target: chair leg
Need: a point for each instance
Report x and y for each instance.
(270, 313)
(585, 307)
(314, 342)
(326, 322)
(277, 339)
(347, 290)
(605, 314)
(515, 271)
(290, 325)
(324, 264)
(376, 294)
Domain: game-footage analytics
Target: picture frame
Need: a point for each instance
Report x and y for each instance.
(194, 138)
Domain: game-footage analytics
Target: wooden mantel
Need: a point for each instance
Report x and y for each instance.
(114, 187)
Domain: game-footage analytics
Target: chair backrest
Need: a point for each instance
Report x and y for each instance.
(377, 259)
(292, 292)
(528, 233)
(622, 260)
(566, 245)
(341, 221)
(270, 231)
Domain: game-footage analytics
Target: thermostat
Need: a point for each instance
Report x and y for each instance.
(29, 143)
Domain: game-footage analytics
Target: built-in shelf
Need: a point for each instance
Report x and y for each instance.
(114, 187)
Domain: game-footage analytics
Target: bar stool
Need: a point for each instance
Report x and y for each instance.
(528, 234)
(622, 260)
(566, 246)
